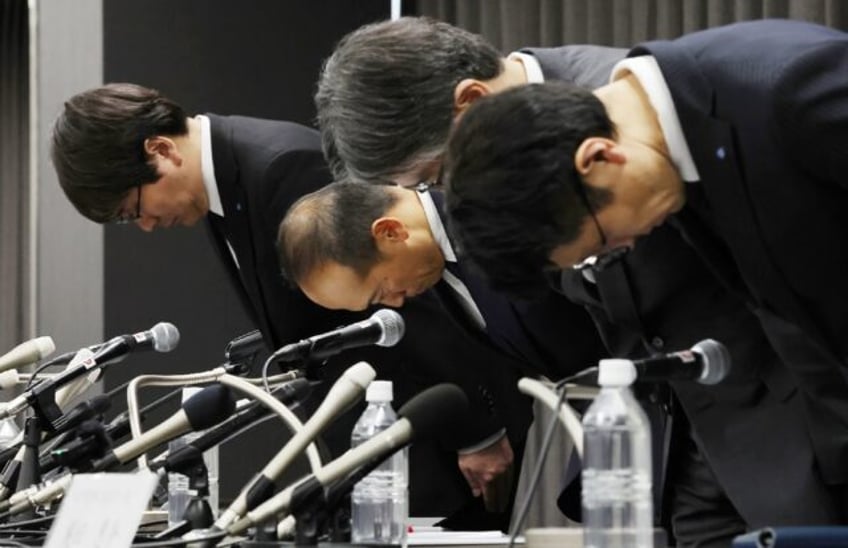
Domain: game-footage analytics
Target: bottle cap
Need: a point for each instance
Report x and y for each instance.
(379, 391)
(616, 372)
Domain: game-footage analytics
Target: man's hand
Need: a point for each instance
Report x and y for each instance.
(489, 473)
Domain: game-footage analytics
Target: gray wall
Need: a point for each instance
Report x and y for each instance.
(69, 249)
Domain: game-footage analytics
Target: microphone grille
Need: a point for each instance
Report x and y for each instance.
(392, 326)
(45, 346)
(716, 361)
(165, 336)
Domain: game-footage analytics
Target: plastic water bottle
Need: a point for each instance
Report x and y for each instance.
(179, 490)
(617, 499)
(380, 501)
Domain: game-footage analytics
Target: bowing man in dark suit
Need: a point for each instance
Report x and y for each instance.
(350, 246)
(126, 153)
(658, 298)
(734, 137)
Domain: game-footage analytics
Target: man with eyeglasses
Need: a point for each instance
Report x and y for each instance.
(656, 298)
(733, 138)
(127, 154)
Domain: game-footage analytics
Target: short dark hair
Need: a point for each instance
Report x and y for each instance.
(385, 96)
(513, 192)
(332, 224)
(98, 144)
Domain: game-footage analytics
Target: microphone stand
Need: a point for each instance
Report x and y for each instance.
(198, 512)
(30, 472)
(317, 510)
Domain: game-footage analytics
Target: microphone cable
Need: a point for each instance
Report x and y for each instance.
(219, 375)
(560, 388)
(61, 359)
(209, 539)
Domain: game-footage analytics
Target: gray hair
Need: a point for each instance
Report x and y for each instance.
(385, 96)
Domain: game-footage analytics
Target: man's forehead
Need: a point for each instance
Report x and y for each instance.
(336, 286)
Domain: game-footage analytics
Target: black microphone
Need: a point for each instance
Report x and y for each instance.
(708, 362)
(384, 328)
(187, 455)
(80, 413)
(203, 410)
(91, 443)
(162, 337)
(244, 347)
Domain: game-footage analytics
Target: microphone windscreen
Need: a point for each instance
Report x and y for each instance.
(9, 379)
(45, 345)
(165, 335)
(434, 409)
(716, 361)
(99, 404)
(393, 326)
(210, 406)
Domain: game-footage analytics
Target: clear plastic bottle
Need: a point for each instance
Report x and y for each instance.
(179, 492)
(380, 501)
(617, 498)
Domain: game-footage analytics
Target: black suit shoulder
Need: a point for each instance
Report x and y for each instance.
(584, 65)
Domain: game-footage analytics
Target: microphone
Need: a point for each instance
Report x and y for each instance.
(27, 352)
(188, 454)
(244, 347)
(162, 337)
(347, 390)
(203, 410)
(91, 442)
(708, 362)
(384, 328)
(423, 416)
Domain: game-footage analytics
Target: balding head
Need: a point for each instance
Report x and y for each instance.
(332, 224)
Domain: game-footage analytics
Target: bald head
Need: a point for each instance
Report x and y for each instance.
(332, 224)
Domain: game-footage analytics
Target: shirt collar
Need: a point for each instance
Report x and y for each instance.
(647, 71)
(436, 226)
(532, 68)
(207, 167)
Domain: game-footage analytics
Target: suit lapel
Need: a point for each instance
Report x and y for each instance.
(503, 323)
(727, 207)
(235, 226)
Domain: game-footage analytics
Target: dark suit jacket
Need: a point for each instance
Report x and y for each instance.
(764, 109)
(548, 336)
(261, 168)
(750, 428)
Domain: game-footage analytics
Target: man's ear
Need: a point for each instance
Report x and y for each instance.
(466, 93)
(388, 230)
(595, 151)
(159, 148)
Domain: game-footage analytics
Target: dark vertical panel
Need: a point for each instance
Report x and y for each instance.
(258, 58)
(14, 169)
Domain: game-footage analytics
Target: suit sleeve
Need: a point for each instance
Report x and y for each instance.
(811, 111)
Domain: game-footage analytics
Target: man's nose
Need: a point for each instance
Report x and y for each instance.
(147, 224)
(395, 300)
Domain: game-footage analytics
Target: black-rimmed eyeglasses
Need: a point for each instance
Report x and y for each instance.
(581, 193)
(124, 218)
